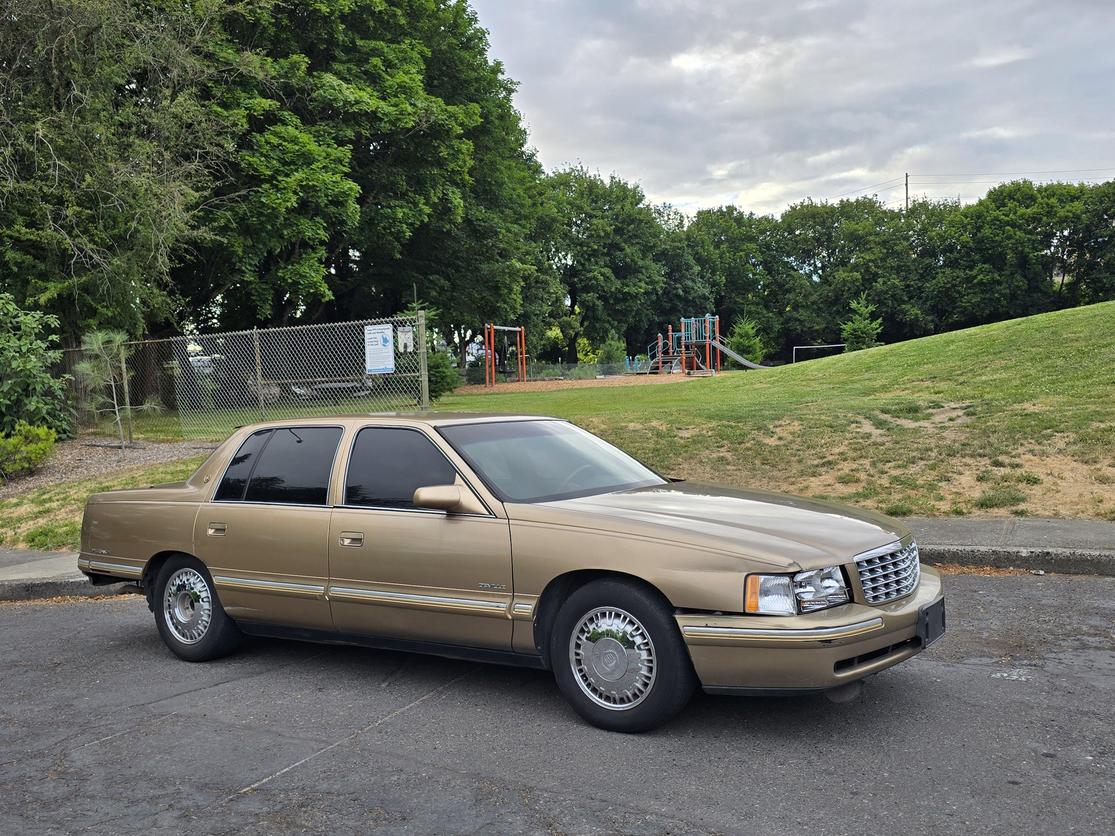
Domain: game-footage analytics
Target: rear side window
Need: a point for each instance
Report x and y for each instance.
(289, 465)
(240, 468)
(388, 464)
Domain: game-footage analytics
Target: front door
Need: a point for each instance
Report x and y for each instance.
(264, 535)
(410, 573)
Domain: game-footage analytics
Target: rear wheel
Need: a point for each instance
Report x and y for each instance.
(188, 614)
(618, 658)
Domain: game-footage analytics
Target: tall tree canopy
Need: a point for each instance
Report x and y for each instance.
(168, 167)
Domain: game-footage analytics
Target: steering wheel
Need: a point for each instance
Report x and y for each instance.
(572, 477)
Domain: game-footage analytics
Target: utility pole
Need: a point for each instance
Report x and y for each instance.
(907, 191)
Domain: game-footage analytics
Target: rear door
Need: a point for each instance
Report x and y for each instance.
(411, 573)
(264, 535)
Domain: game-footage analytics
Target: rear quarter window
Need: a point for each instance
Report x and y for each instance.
(240, 468)
(288, 465)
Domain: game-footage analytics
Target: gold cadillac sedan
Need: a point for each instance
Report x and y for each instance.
(521, 540)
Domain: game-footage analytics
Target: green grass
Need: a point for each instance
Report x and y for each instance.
(906, 427)
(50, 517)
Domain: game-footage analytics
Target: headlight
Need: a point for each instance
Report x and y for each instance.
(820, 588)
(808, 591)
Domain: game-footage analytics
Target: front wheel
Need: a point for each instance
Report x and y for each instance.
(188, 614)
(618, 657)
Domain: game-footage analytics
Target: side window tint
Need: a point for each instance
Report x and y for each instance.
(388, 465)
(240, 468)
(295, 466)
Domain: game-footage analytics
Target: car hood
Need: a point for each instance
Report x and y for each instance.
(778, 529)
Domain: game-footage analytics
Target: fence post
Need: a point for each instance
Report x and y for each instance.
(259, 372)
(127, 395)
(423, 371)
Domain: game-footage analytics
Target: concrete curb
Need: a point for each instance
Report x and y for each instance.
(32, 590)
(1063, 561)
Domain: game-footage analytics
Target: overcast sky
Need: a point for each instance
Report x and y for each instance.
(760, 104)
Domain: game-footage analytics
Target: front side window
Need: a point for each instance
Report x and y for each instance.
(541, 461)
(290, 465)
(388, 464)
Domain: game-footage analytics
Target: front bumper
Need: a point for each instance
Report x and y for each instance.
(813, 652)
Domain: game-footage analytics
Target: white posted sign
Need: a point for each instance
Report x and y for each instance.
(379, 349)
(406, 339)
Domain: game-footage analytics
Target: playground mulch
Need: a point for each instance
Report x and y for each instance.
(552, 385)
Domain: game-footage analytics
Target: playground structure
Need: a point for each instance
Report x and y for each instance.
(695, 349)
(490, 353)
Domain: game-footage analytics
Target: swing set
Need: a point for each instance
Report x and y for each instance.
(491, 365)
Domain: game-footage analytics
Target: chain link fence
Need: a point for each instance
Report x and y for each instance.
(204, 385)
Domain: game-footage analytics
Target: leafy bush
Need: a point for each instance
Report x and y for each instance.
(585, 352)
(745, 340)
(613, 351)
(28, 390)
(442, 372)
(474, 374)
(25, 449)
(861, 331)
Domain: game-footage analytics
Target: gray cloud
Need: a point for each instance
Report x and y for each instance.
(764, 103)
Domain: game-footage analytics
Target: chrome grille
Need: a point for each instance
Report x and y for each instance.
(889, 572)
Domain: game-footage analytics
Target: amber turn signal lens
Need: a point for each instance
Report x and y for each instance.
(751, 599)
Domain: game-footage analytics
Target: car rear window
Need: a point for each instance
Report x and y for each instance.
(388, 464)
(291, 465)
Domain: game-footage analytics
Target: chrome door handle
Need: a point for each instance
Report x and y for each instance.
(352, 538)
(217, 529)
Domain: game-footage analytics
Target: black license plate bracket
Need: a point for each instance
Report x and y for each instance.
(931, 622)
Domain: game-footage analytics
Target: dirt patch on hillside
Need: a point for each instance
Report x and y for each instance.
(953, 413)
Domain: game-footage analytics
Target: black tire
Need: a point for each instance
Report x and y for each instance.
(196, 639)
(639, 692)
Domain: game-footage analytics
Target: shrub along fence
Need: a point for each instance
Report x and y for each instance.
(204, 385)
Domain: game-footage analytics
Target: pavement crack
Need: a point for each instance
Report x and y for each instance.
(218, 684)
(384, 719)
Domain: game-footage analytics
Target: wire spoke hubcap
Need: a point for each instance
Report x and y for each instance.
(187, 606)
(612, 657)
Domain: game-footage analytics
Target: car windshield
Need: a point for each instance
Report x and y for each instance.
(542, 461)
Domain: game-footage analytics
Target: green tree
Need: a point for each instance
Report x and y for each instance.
(603, 248)
(1091, 258)
(108, 147)
(745, 339)
(343, 153)
(612, 352)
(861, 330)
(486, 265)
(29, 392)
(745, 260)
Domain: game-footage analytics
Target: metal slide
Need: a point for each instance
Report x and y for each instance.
(741, 360)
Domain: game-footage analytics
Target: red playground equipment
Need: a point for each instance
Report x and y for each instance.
(490, 359)
(695, 348)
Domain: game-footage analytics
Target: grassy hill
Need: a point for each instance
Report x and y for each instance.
(1016, 417)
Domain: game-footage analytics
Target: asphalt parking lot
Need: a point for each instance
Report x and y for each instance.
(1007, 724)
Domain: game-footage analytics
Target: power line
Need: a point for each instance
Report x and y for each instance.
(867, 188)
(1014, 173)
